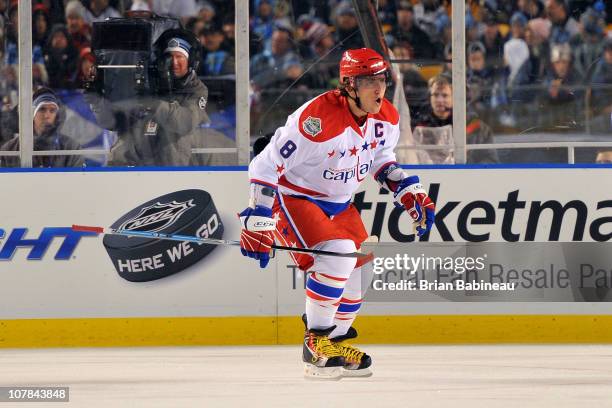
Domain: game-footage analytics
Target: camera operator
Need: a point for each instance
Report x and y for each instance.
(159, 129)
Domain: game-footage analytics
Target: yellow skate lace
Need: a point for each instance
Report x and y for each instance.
(323, 346)
(350, 353)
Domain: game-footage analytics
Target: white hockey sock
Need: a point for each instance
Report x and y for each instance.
(350, 303)
(319, 317)
(342, 327)
(325, 285)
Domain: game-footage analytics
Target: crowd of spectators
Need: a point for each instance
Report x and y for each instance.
(545, 71)
(531, 63)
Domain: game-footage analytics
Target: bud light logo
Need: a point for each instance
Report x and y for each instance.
(38, 246)
(157, 216)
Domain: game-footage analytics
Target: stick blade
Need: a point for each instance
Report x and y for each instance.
(88, 228)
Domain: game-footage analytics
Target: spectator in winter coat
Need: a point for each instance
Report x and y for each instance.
(60, 58)
(564, 26)
(47, 118)
(216, 61)
(80, 31)
(601, 91)
(408, 31)
(440, 114)
(564, 95)
(278, 65)
(99, 10)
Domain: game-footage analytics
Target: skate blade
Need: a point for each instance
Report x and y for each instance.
(312, 372)
(364, 372)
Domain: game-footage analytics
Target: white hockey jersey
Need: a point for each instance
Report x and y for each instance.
(322, 154)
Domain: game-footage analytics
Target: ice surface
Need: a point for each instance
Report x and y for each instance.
(271, 376)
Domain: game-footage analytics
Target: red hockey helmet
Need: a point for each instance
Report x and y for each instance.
(361, 62)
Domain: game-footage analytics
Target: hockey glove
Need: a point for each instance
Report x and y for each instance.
(411, 195)
(257, 233)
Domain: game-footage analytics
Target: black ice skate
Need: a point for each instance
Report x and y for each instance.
(323, 360)
(357, 363)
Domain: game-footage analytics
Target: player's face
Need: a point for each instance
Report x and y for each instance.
(179, 64)
(371, 92)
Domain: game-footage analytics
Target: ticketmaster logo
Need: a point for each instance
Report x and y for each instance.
(513, 219)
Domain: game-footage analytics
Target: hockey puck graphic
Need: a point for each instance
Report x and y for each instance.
(186, 212)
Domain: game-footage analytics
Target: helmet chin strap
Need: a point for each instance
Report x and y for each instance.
(356, 99)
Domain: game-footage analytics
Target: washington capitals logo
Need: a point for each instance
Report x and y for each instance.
(157, 216)
(312, 126)
(359, 171)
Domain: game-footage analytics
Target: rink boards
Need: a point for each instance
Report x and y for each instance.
(62, 290)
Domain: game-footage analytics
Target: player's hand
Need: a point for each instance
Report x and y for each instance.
(257, 235)
(411, 195)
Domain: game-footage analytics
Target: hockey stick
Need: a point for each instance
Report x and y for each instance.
(213, 241)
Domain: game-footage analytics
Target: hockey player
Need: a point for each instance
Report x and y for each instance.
(301, 187)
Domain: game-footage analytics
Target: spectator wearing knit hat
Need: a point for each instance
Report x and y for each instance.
(40, 24)
(536, 37)
(531, 8)
(99, 10)
(480, 78)
(415, 86)
(601, 90)
(493, 41)
(263, 22)
(47, 119)
(206, 11)
(564, 95)
(518, 24)
(11, 54)
(60, 58)
(564, 26)
(216, 61)
(278, 66)
(78, 28)
(182, 9)
(86, 62)
(316, 41)
(347, 34)
(408, 32)
(589, 44)
(319, 42)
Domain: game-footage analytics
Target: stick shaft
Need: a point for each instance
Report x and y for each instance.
(199, 240)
